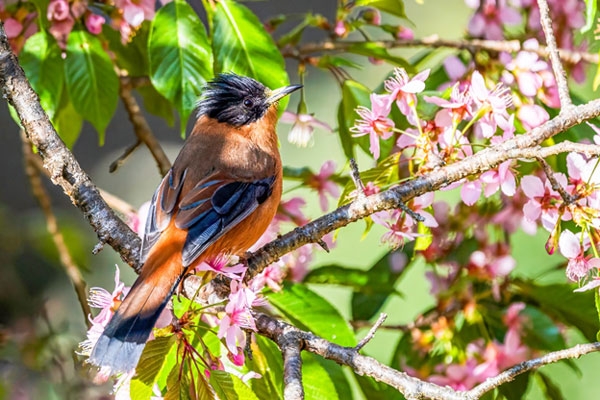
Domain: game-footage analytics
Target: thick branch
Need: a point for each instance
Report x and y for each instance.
(412, 388)
(64, 169)
(510, 46)
(292, 367)
(550, 358)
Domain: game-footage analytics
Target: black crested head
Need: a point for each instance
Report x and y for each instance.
(234, 99)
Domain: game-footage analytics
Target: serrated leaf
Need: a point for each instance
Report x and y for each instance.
(309, 311)
(178, 385)
(44, 67)
(230, 387)
(153, 359)
(266, 360)
(92, 83)
(242, 45)
(394, 7)
(559, 301)
(180, 57)
(316, 380)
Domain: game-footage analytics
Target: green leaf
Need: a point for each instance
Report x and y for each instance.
(153, 362)
(422, 242)
(266, 360)
(92, 83)
(354, 94)
(156, 104)
(549, 387)
(178, 385)
(596, 82)
(560, 302)
(316, 380)
(591, 7)
(378, 51)
(242, 45)
(382, 281)
(230, 387)
(44, 68)
(337, 376)
(309, 311)
(374, 390)
(180, 57)
(394, 7)
(67, 121)
(516, 388)
(132, 56)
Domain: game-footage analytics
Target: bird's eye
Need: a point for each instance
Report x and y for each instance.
(248, 103)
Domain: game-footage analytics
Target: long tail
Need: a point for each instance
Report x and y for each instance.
(122, 342)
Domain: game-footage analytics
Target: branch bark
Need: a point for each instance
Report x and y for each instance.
(64, 169)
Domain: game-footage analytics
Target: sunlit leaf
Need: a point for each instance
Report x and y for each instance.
(230, 387)
(316, 380)
(180, 57)
(308, 310)
(394, 7)
(266, 360)
(91, 80)
(44, 68)
(241, 45)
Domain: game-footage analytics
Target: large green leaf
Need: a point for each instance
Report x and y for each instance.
(133, 55)
(374, 390)
(91, 80)
(230, 387)
(242, 45)
(266, 360)
(152, 363)
(309, 311)
(560, 302)
(67, 121)
(44, 67)
(180, 56)
(316, 380)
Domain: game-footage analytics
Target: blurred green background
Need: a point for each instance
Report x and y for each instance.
(41, 321)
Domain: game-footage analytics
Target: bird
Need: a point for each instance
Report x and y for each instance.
(219, 197)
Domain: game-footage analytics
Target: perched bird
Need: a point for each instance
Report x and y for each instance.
(219, 197)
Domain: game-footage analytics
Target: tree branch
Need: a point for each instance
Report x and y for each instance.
(141, 128)
(434, 41)
(559, 71)
(550, 358)
(69, 265)
(64, 169)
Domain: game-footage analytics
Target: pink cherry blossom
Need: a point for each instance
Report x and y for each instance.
(61, 21)
(219, 265)
(543, 200)
(94, 22)
(374, 122)
(532, 116)
(303, 127)
(573, 248)
(470, 192)
(136, 11)
(488, 104)
(403, 90)
(400, 230)
(490, 18)
(323, 184)
(238, 316)
(501, 178)
(12, 27)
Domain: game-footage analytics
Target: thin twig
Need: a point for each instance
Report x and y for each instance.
(69, 265)
(371, 334)
(123, 157)
(550, 358)
(557, 67)
(511, 46)
(567, 198)
(142, 128)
